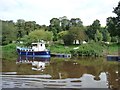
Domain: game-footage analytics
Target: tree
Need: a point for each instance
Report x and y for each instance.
(55, 22)
(92, 29)
(48, 36)
(55, 27)
(78, 33)
(37, 26)
(96, 25)
(62, 34)
(98, 36)
(8, 32)
(65, 24)
(75, 33)
(111, 26)
(114, 39)
(117, 9)
(20, 28)
(54, 31)
(90, 32)
(68, 39)
(106, 35)
(76, 22)
(37, 35)
(117, 12)
(29, 26)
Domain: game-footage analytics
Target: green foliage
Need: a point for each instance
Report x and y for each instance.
(91, 49)
(20, 28)
(65, 23)
(76, 22)
(111, 26)
(108, 38)
(92, 29)
(113, 23)
(113, 48)
(114, 39)
(8, 32)
(25, 27)
(78, 33)
(59, 48)
(54, 31)
(98, 36)
(96, 25)
(90, 32)
(117, 12)
(117, 9)
(68, 39)
(55, 27)
(29, 26)
(75, 33)
(62, 34)
(106, 35)
(37, 35)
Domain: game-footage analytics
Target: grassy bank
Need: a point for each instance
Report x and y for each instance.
(113, 48)
(9, 52)
(90, 49)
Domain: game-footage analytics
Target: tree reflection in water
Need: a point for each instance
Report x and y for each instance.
(87, 70)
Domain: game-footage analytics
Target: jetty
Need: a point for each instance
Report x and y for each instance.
(61, 55)
(113, 57)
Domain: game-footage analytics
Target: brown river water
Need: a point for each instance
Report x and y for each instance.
(57, 72)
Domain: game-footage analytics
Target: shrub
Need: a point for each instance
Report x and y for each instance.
(91, 49)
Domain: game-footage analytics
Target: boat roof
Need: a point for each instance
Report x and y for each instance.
(39, 43)
(112, 55)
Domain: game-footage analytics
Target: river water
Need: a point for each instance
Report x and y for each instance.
(25, 72)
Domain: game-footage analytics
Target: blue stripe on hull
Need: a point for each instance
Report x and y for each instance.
(35, 54)
(47, 56)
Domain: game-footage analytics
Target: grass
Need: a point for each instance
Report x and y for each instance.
(9, 52)
(59, 48)
(113, 48)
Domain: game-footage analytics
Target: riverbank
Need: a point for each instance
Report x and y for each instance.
(90, 49)
(9, 52)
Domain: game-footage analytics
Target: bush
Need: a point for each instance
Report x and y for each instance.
(114, 39)
(91, 49)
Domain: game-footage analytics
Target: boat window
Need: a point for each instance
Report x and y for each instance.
(34, 45)
(41, 44)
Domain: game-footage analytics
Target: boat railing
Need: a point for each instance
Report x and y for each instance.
(24, 49)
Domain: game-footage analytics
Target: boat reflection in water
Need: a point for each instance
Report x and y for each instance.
(38, 63)
(35, 72)
(64, 75)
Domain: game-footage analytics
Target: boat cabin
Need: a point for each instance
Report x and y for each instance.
(38, 46)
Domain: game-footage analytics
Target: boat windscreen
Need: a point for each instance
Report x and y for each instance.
(34, 44)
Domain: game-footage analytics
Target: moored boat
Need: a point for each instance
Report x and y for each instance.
(37, 50)
(113, 57)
